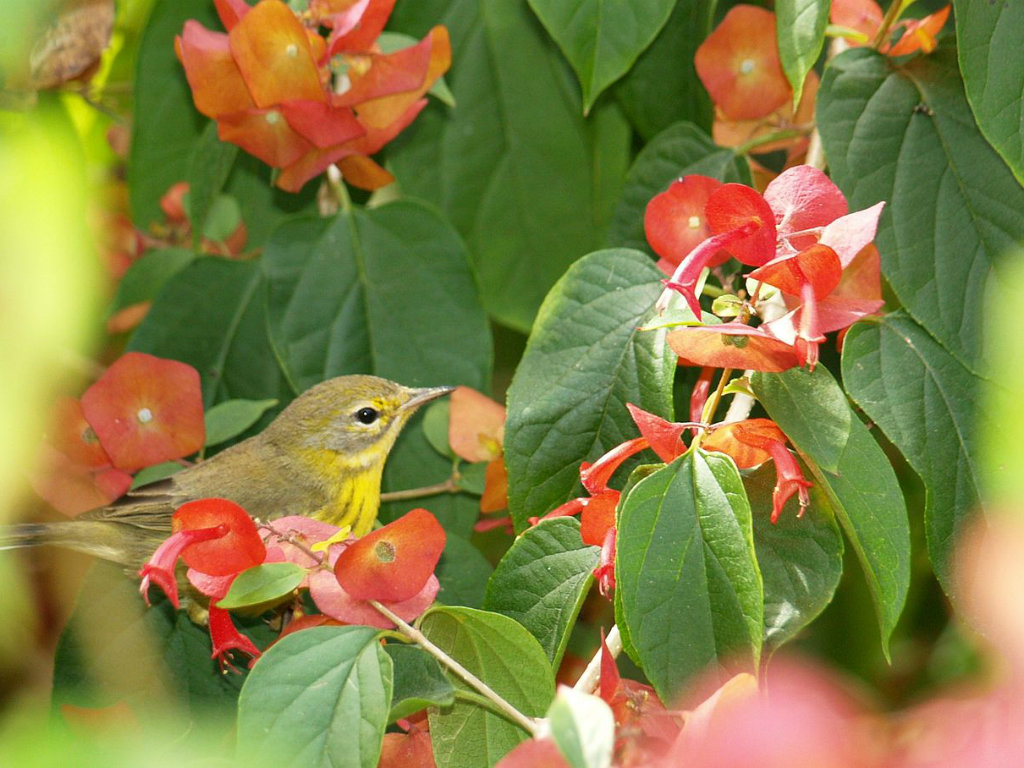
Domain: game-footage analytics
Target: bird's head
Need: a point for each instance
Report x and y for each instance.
(356, 417)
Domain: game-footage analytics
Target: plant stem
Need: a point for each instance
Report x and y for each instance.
(891, 15)
(448, 486)
(768, 138)
(524, 722)
(591, 676)
(707, 415)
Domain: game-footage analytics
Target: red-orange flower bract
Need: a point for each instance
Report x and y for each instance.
(146, 410)
(394, 562)
(239, 548)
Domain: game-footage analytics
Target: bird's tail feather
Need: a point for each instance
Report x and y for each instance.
(101, 539)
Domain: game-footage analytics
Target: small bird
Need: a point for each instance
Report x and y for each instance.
(322, 457)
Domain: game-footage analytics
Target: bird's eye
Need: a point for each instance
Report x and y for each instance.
(367, 415)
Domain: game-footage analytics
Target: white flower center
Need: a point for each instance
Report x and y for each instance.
(144, 415)
(292, 51)
(272, 117)
(693, 222)
(746, 66)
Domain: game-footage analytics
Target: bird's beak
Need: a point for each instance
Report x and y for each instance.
(425, 395)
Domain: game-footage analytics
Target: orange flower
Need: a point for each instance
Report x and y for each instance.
(146, 410)
(268, 84)
(918, 34)
(739, 65)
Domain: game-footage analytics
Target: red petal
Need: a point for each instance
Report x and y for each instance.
(920, 34)
(161, 566)
(146, 410)
(850, 234)
(817, 266)
(231, 12)
(394, 562)
(598, 517)
(732, 345)
(273, 53)
(595, 476)
(216, 82)
(73, 437)
(404, 77)
(746, 441)
(495, 495)
(739, 64)
(534, 753)
(610, 678)
(674, 220)
(804, 198)
(733, 207)
(226, 638)
(476, 425)
(331, 598)
(73, 488)
(355, 34)
(864, 16)
(239, 548)
(699, 394)
(266, 134)
(790, 480)
(663, 437)
(322, 125)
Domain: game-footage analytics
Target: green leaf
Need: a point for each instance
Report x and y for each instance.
(419, 681)
(583, 727)
(905, 134)
(584, 361)
(319, 697)
(677, 151)
(542, 581)
(662, 88)
(208, 171)
(231, 418)
(115, 648)
(524, 178)
(145, 278)
(505, 656)
(801, 558)
(862, 490)
(166, 125)
(153, 473)
(404, 305)
(689, 589)
(934, 429)
(994, 81)
(463, 572)
(801, 34)
(601, 39)
(262, 584)
(212, 316)
(435, 427)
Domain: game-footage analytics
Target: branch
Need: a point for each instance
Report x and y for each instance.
(526, 723)
(591, 676)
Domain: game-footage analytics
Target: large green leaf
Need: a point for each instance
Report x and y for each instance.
(688, 584)
(862, 490)
(145, 277)
(211, 315)
(677, 151)
(463, 571)
(801, 34)
(419, 681)
(662, 88)
(386, 291)
(319, 697)
(524, 178)
(584, 361)
(504, 655)
(166, 125)
(987, 35)
(905, 134)
(924, 400)
(211, 164)
(115, 648)
(601, 39)
(801, 558)
(542, 580)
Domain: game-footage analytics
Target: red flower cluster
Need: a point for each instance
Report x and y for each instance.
(750, 443)
(300, 102)
(217, 540)
(860, 20)
(803, 242)
(142, 411)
